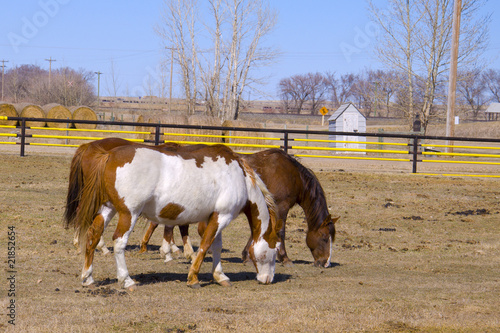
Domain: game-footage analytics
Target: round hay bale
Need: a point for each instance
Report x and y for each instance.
(140, 119)
(28, 110)
(83, 113)
(56, 111)
(172, 120)
(8, 110)
(205, 121)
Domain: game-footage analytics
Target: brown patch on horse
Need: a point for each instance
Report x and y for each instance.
(171, 211)
(196, 152)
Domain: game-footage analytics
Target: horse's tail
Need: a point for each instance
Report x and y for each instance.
(75, 186)
(93, 195)
(275, 224)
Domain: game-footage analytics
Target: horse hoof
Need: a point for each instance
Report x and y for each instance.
(132, 288)
(226, 283)
(87, 282)
(194, 286)
(105, 251)
(287, 263)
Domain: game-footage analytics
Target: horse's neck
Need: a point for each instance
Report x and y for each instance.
(314, 206)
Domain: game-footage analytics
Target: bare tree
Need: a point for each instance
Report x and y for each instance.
(415, 40)
(472, 91)
(345, 88)
(236, 29)
(492, 81)
(177, 31)
(295, 92)
(318, 91)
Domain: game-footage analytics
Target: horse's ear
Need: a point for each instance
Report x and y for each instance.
(329, 220)
(326, 221)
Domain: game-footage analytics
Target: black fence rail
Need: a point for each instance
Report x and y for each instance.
(480, 155)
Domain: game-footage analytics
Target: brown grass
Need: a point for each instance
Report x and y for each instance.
(412, 254)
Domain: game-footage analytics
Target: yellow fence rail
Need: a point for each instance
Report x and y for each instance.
(314, 145)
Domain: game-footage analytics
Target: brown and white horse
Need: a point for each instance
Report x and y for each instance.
(290, 183)
(179, 187)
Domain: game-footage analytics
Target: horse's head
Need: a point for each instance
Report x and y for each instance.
(320, 241)
(263, 252)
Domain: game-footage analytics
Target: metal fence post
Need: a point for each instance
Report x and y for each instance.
(285, 141)
(157, 135)
(415, 153)
(23, 136)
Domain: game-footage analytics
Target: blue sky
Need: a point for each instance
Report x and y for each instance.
(312, 36)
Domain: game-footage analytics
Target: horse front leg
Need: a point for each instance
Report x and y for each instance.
(217, 272)
(147, 237)
(282, 256)
(209, 235)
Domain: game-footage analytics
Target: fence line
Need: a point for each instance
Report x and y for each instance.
(342, 149)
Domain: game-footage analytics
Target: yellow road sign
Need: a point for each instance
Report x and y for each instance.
(323, 111)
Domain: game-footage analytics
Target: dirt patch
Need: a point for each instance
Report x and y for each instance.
(413, 266)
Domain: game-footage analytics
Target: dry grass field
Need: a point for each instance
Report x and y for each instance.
(412, 254)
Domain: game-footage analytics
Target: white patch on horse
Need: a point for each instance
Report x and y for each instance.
(172, 179)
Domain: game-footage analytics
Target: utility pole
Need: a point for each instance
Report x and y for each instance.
(98, 85)
(3, 70)
(452, 85)
(50, 68)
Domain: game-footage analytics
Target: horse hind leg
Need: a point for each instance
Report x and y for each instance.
(168, 246)
(124, 227)
(188, 247)
(102, 246)
(93, 236)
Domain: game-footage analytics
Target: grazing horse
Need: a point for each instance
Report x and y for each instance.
(290, 183)
(179, 187)
(80, 169)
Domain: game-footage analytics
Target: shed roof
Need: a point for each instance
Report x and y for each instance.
(493, 108)
(341, 110)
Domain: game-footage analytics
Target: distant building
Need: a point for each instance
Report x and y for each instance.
(347, 118)
(493, 111)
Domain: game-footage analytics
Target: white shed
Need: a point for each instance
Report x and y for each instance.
(347, 118)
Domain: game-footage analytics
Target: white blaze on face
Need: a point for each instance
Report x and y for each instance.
(265, 259)
(328, 262)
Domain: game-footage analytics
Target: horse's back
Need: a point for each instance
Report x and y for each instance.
(198, 183)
